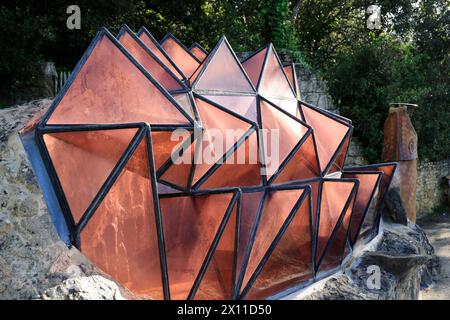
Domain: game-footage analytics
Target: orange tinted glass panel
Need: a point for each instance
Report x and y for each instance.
(182, 58)
(184, 101)
(335, 253)
(166, 78)
(190, 224)
(290, 263)
(288, 105)
(328, 133)
(178, 173)
(241, 169)
(164, 144)
(217, 124)
(218, 280)
(198, 53)
(121, 236)
(277, 207)
(157, 51)
(367, 185)
(83, 160)
(274, 82)
(242, 105)
(253, 66)
(303, 165)
(223, 72)
(283, 134)
(334, 197)
(113, 92)
(289, 71)
(338, 164)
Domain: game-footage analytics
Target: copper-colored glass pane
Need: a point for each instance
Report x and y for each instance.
(328, 133)
(303, 165)
(214, 121)
(83, 160)
(334, 197)
(223, 72)
(182, 58)
(290, 73)
(198, 53)
(154, 47)
(290, 263)
(121, 236)
(338, 164)
(288, 105)
(250, 202)
(166, 78)
(370, 223)
(190, 224)
(164, 145)
(178, 174)
(218, 281)
(335, 253)
(367, 184)
(273, 81)
(253, 66)
(289, 132)
(184, 101)
(113, 92)
(242, 105)
(241, 169)
(277, 207)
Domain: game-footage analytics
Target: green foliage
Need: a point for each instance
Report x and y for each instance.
(406, 61)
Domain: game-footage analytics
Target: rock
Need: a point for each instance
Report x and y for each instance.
(84, 288)
(401, 256)
(393, 208)
(34, 262)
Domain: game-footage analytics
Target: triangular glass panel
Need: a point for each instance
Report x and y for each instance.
(155, 47)
(223, 72)
(290, 262)
(253, 65)
(282, 134)
(273, 80)
(119, 91)
(302, 165)
(190, 225)
(218, 281)
(83, 160)
(329, 134)
(180, 55)
(149, 61)
(121, 237)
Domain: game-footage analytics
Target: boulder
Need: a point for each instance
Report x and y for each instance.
(34, 262)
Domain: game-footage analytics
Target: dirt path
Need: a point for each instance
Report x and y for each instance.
(438, 232)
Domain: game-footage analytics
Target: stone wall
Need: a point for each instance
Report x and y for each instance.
(430, 185)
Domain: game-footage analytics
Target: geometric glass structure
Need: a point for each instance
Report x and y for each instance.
(150, 192)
